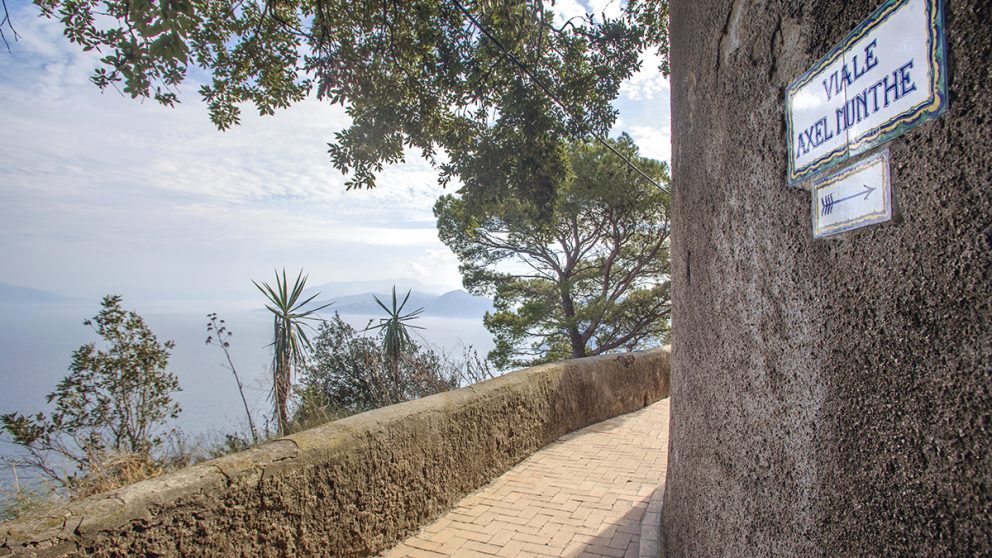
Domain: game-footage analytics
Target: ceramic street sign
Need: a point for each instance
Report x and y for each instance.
(886, 77)
(854, 196)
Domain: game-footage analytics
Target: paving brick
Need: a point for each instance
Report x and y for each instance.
(513, 548)
(454, 543)
(525, 529)
(562, 538)
(583, 495)
(606, 551)
(485, 548)
(533, 539)
(460, 528)
(619, 540)
(543, 549)
(502, 538)
(423, 544)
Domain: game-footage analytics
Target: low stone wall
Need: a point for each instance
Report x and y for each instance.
(355, 486)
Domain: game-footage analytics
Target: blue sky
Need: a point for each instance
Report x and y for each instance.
(104, 194)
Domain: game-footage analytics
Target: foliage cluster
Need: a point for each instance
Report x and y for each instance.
(592, 278)
(427, 75)
(351, 372)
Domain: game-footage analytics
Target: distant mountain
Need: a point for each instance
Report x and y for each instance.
(459, 303)
(365, 304)
(12, 293)
(338, 289)
(453, 304)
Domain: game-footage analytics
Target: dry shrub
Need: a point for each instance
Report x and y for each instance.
(110, 471)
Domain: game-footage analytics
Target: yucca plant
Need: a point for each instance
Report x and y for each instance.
(396, 339)
(290, 343)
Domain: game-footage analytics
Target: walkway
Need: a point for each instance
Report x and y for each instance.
(586, 495)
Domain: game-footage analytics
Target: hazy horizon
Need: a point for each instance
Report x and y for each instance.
(37, 341)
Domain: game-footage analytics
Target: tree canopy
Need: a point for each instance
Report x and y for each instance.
(496, 85)
(591, 280)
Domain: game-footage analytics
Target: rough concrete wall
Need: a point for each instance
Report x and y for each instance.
(832, 397)
(351, 487)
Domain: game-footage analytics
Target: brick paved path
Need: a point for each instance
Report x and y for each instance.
(584, 495)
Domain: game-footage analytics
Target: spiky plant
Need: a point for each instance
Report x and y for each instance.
(395, 331)
(289, 337)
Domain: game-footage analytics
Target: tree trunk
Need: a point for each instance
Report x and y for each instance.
(281, 385)
(574, 337)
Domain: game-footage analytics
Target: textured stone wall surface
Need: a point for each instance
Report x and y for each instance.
(355, 486)
(829, 397)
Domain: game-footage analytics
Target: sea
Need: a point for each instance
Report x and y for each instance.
(37, 341)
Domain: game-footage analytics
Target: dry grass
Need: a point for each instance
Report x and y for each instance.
(21, 501)
(112, 471)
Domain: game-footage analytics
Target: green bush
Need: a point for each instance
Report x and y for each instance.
(350, 373)
(109, 421)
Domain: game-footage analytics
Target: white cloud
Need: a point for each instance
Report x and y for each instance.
(436, 267)
(567, 9)
(648, 83)
(129, 196)
(610, 8)
(655, 143)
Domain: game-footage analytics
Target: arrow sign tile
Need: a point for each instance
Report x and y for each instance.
(828, 202)
(854, 196)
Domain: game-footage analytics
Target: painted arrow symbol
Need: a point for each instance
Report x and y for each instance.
(828, 202)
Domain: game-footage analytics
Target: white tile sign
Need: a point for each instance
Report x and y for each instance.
(853, 197)
(887, 76)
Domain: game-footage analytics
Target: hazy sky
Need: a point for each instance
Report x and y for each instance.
(104, 194)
